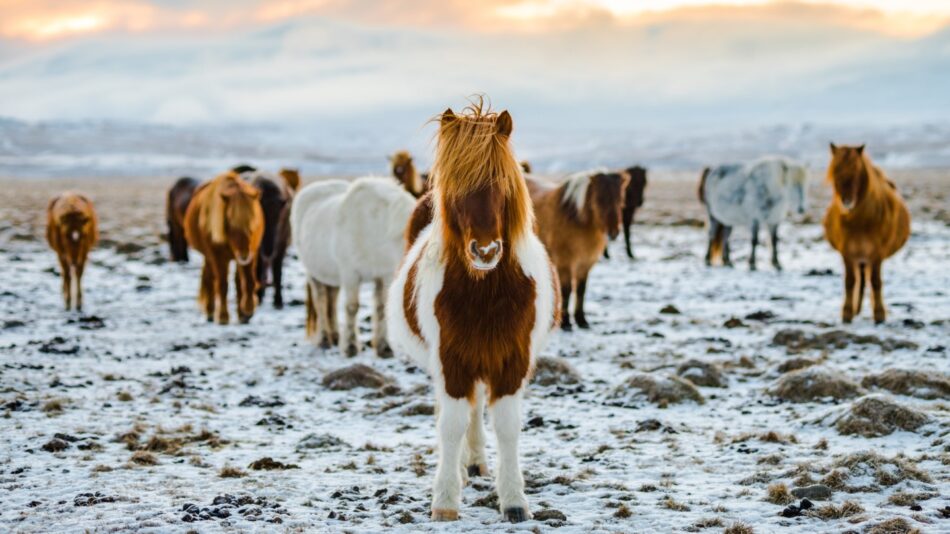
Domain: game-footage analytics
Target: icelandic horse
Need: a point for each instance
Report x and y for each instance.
(72, 229)
(404, 171)
(575, 218)
(473, 303)
(224, 222)
(179, 196)
(275, 199)
(867, 222)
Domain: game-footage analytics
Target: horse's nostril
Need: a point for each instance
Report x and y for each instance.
(473, 247)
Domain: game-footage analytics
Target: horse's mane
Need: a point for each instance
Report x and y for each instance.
(217, 213)
(472, 155)
(573, 191)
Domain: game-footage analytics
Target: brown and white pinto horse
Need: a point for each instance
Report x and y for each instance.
(405, 172)
(473, 303)
(575, 219)
(224, 222)
(72, 228)
(179, 196)
(867, 222)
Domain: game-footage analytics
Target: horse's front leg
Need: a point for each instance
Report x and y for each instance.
(714, 229)
(451, 426)
(476, 461)
(246, 286)
(755, 243)
(877, 287)
(277, 268)
(333, 331)
(350, 344)
(847, 310)
(221, 288)
(579, 316)
(206, 294)
(773, 233)
(67, 274)
(380, 341)
(726, 250)
(509, 483)
(627, 222)
(77, 279)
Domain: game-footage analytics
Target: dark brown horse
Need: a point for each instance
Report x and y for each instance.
(72, 229)
(178, 198)
(633, 199)
(867, 222)
(275, 202)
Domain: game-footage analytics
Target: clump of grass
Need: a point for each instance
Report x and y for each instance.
(775, 437)
(738, 528)
(623, 512)
(101, 469)
(671, 504)
(162, 444)
(53, 406)
(143, 458)
(229, 471)
(875, 416)
(418, 465)
(897, 525)
(906, 498)
(847, 509)
(822, 445)
(837, 479)
(124, 396)
(647, 488)
(707, 522)
(770, 459)
(886, 471)
(778, 494)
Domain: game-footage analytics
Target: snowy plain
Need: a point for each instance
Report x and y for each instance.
(154, 404)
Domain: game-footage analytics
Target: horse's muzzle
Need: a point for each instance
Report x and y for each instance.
(485, 258)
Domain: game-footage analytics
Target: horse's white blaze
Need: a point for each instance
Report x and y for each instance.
(75, 235)
(348, 233)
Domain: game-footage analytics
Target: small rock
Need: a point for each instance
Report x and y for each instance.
(761, 315)
(355, 376)
(733, 322)
(55, 445)
(670, 309)
(269, 464)
(815, 492)
(419, 408)
(549, 514)
(327, 442)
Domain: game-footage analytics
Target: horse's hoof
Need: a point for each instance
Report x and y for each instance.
(325, 344)
(478, 470)
(384, 352)
(210, 319)
(244, 319)
(444, 514)
(752, 267)
(583, 325)
(517, 514)
(224, 319)
(351, 350)
(777, 265)
(278, 305)
(566, 327)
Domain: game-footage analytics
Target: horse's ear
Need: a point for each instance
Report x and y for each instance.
(834, 147)
(447, 116)
(504, 124)
(860, 150)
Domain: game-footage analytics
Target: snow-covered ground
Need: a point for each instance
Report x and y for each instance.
(154, 402)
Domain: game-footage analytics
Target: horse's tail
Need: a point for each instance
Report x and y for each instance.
(702, 185)
(716, 243)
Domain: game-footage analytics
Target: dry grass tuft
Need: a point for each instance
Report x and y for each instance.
(229, 471)
(660, 390)
(813, 384)
(707, 522)
(671, 504)
(623, 512)
(907, 498)
(886, 471)
(875, 416)
(778, 494)
(927, 385)
(54, 406)
(124, 396)
(830, 511)
(738, 528)
(143, 458)
(897, 525)
(777, 437)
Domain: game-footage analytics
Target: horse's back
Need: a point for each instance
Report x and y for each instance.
(369, 237)
(740, 194)
(314, 217)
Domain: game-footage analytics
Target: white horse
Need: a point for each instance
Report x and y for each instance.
(347, 233)
(761, 192)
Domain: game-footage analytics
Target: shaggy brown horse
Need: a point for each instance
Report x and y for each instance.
(575, 219)
(473, 303)
(72, 228)
(275, 202)
(867, 222)
(224, 222)
(177, 202)
(404, 170)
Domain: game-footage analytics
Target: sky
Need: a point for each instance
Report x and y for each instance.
(561, 62)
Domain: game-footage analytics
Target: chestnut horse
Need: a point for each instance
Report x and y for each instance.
(224, 222)
(867, 222)
(275, 204)
(405, 172)
(575, 219)
(72, 228)
(473, 302)
(178, 198)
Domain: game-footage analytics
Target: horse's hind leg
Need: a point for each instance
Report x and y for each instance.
(773, 233)
(206, 291)
(506, 418)
(755, 243)
(726, 249)
(877, 295)
(380, 341)
(475, 460)
(861, 276)
(67, 274)
(332, 322)
(77, 281)
(350, 342)
(565, 276)
(277, 267)
(220, 268)
(579, 316)
(627, 221)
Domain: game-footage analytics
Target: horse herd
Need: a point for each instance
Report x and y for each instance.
(473, 264)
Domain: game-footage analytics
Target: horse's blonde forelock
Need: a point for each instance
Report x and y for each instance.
(216, 213)
(472, 155)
